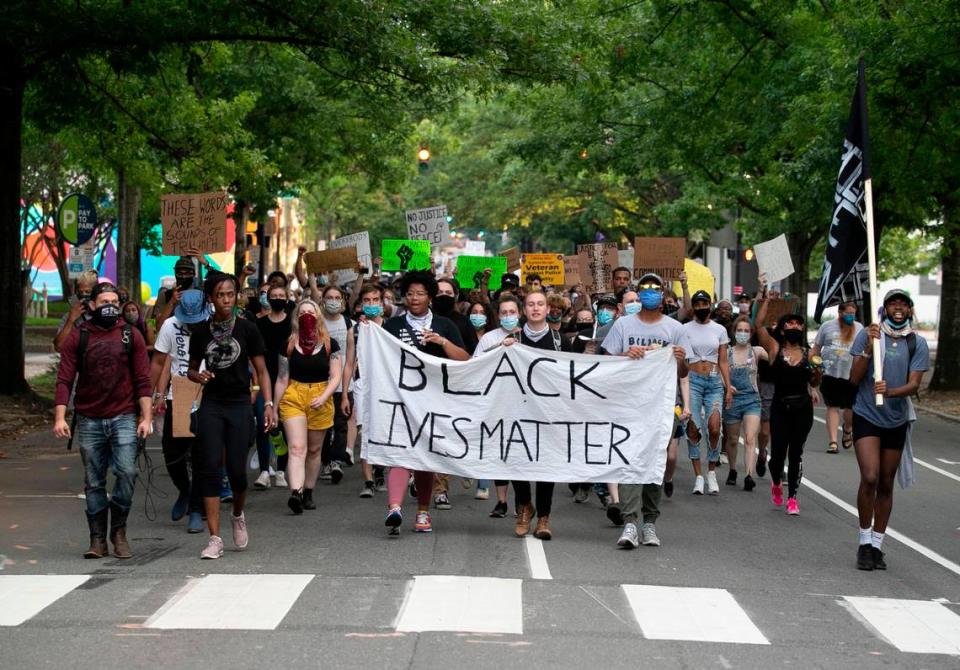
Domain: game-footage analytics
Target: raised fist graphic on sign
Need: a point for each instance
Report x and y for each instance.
(405, 254)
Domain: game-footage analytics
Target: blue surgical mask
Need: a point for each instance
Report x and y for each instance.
(651, 298)
(896, 326)
(372, 311)
(478, 320)
(742, 337)
(632, 308)
(848, 318)
(604, 316)
(264, 300)
(509, 322)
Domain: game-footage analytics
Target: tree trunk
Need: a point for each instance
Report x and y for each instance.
(128, 235)
(240, 226)
(12, 277)
(946, 373)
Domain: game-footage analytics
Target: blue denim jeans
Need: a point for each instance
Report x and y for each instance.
(706, 397)
(108, 442)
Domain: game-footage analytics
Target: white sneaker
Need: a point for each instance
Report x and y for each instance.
(628, 538)
(213, 550)
(325, 472)
(712, 487)
(723, 458)
(482, 494)
(280, 480)
(263, 481)
(648, 533)
(698, 486)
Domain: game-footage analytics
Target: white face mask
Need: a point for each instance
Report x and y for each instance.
(742, 337)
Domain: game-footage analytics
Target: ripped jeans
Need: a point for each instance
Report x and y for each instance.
(706, 397)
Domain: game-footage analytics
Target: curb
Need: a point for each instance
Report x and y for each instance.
(943, 415)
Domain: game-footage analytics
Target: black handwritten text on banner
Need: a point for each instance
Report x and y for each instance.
(517, 412)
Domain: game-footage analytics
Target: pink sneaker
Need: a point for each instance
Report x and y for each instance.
(793, 508)
(214, 548)
(240, 538)
(776, 494)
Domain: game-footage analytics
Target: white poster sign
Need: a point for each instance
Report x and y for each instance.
(773, 258)
(429, 224)
(517, 412)
(475, 248)
(362, 242)
(80, 259)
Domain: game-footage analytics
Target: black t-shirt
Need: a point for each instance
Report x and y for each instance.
(275, 336)
(764, 373)
(552, 341)
(228, 359)
(314, 368)
(468, 334)
(400, 329)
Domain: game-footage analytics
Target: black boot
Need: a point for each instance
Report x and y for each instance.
(308, 499)
(118, 532)
(98, 535)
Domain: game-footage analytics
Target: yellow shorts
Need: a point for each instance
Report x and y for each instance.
(296, 402)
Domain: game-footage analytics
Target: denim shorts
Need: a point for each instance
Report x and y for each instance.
(745, 403)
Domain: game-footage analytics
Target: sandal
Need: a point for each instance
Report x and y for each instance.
(832, 448)
(847, 439)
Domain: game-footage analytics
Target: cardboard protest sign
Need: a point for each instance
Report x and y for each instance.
(663, 255)
(781, 306)
(575, 270)
(361, 241)
(429, 224)
(325, 262)
(773, 258)
(194, 221)
(405, 255)
(470, 271)
(548, 266)
(513, 258)
(601, 258)
(699, 278)
(185, 392)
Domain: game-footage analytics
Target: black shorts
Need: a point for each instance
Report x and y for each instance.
(838, 392)
(890, 438)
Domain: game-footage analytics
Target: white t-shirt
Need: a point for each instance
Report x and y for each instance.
(489, 340)
(837, 360)
(630, 331)
(704, 340)
(174, 340)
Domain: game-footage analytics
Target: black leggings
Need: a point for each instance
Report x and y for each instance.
(177, 453)
(521, 492)
(335, 441)
(224, 439)
(788, 432)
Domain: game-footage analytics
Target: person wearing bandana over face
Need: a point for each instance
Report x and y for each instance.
(334, 453)
(435, 335)
(880, 434)
(229, 347)
(112, 380)
(309, 373)
(791, 414)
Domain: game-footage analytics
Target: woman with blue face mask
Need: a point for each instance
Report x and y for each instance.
(741, 414)
(833, 343)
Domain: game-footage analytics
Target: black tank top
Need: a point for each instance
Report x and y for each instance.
(790, 381)
(312, 369)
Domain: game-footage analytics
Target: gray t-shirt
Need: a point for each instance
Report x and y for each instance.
(837, 360)
(704, 340)
(630, 331)
(897, 367)
(338, 331)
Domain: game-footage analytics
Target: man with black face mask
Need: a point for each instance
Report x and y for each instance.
(108, 360)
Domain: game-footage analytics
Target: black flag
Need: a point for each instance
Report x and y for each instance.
(845, 272)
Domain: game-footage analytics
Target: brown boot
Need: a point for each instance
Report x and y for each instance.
(542, 531)
(98, 536)
(98, 547)
(121, 548)
(524, 515)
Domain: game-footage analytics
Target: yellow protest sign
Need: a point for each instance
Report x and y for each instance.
(548, 266)
(699, 278)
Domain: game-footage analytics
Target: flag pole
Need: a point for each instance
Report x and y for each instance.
(872, 265)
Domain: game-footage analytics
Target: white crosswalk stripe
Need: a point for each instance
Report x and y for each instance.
(698, 614)
(23, 596)
(462, 604)
(917, 626)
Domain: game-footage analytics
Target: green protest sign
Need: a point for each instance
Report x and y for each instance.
(470, 270)
(404, 255)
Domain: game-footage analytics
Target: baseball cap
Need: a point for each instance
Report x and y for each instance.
(701, 295)
(607, 300)
(897, 293)
(192, 307)
(650, 277)
(509, 278)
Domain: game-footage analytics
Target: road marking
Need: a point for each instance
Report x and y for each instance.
(536, 558)
(946, 462)
(936, 469)
(914, 626)
(231, 602)
(896, 535)
(463, 604)
(696, 614)
(24, 596)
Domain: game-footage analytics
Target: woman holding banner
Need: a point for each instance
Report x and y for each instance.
(435, 335)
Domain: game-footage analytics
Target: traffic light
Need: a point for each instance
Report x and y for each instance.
(423, 158)
(748, 254)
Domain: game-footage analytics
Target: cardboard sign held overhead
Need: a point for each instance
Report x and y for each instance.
(663, 255)
(185, 392)
(575, 270)
(773, 258)
(429, 224)
(470, 271)
(194, 221)
(548, 266)
(325, 262)
(405, 255)
(361, 241)
(781, 306)
(513, 258)
(600, 258)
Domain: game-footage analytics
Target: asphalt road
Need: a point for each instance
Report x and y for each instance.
(330, 589)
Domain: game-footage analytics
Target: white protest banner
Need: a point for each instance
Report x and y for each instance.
(429, 224)
(773, 258)
(475, 248)
(517, 412)
(362, 242)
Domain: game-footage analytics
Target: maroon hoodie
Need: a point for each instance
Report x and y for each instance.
(112, 379)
